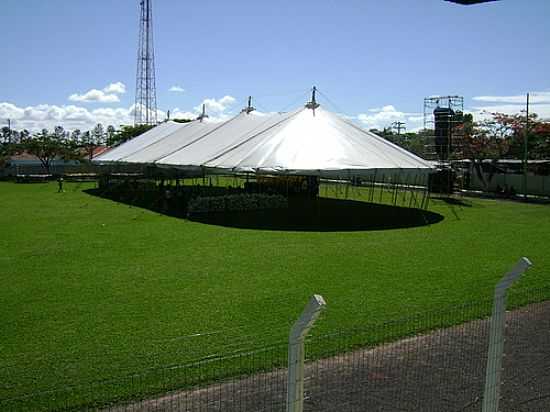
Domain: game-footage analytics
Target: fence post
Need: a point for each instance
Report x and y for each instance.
(298, 332)
(491, 395)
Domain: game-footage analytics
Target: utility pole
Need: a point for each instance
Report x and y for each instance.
(399, 125)
(526, 149)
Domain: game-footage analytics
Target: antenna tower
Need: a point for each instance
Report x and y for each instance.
(145, 109)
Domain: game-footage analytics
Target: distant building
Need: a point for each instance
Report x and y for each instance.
(28, 164)
(99, 150)
(27, 159)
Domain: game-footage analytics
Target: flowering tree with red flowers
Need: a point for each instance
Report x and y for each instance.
(502, 136)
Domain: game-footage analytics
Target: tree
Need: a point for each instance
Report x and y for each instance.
(111, 131)
(538, 132)
(539, 138)
(6, 144)
(6, 150)
(76, 136)
(503, 136)
(484, 140)
(92, 140)
(128, 132)
(98, 134)
(415, 142)
(48, 146)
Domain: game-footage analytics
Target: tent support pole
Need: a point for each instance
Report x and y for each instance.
(427, 199)
(405, 190)
(347, 186)
(395, 186)
(371, 194)
(413, 192)
(382, 188)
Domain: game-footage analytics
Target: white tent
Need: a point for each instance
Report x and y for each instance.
(192, 143)
(189, 133)
(199, 151)
(306, 141)
(314, 143)
(139, 143)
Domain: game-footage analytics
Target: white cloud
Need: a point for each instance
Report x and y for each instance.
(218, 110)
(484, 112)
(513, 104)
(10, 111)
(94, 95)
(380, 117)
(35, 118)
(109, 94)
(534, 98)
(176, 89)
(71, 117)
(117, 88)
(217, 106)
(178, 113)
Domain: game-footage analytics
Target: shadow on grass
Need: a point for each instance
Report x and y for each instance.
(145, 200)
(324, 215)
(303, 214)
(453, 201)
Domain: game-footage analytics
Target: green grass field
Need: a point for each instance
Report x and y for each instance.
(92, 289)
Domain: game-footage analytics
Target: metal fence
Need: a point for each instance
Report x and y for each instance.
(468, 357)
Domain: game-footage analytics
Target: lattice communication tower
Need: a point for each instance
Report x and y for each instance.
(145, 109)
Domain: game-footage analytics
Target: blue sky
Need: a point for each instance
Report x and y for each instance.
(375, 60)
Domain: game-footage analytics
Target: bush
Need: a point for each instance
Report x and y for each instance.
(236, 203)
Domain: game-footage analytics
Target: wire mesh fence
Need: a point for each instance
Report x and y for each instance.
(526, 363)
(402, 365)
(251, 380)
(430, 361)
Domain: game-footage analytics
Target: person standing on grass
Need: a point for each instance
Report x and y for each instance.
(60, 184)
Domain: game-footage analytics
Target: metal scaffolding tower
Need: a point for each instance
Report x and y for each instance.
(444, 123)
(444, 126)
(145, 109)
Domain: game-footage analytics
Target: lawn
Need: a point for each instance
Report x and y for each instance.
(92, 289)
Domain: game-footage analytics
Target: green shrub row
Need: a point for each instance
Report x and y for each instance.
(236, 203)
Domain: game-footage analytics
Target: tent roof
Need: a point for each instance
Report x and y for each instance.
(138, 143)
(320, 141)
(171, 142)
(304, 141)
(199, 151)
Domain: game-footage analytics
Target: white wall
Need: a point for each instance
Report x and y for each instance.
(536, 185)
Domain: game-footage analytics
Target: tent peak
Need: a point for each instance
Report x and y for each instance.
(313, 103)
(248, 109)
(203, 114)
